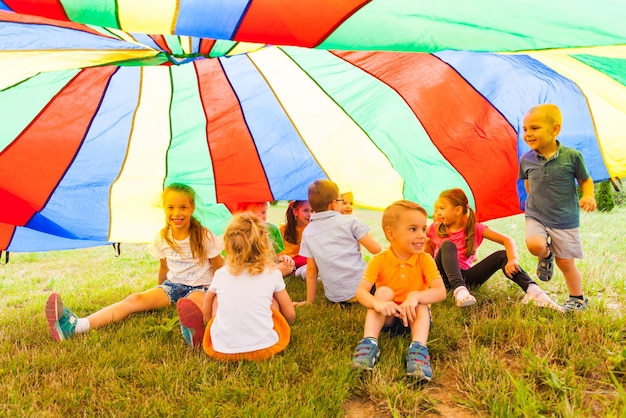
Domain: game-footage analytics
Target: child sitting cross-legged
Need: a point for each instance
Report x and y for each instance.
(332, 245)
(407, 281)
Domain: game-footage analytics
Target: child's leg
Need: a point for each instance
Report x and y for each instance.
(480, 272)
(448, 264)
(417, 356)
(154, 298)
(374, 321)
(573, 278)
(537, 243)
(420, 328)
(367, 352)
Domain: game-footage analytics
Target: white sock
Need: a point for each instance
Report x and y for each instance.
(82, 326)
(533, 289)
(301, 272)
(537, 294)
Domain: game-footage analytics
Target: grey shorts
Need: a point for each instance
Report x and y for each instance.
(177, 291)
(564, 243)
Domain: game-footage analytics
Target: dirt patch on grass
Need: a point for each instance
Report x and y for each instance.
(442, 390)
(364, 408)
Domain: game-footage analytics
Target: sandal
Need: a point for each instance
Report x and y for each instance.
(545, 268)
(464, 298)
(536, 299)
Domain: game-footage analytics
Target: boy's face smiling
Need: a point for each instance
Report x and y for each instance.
(539, 133)
(408, 235)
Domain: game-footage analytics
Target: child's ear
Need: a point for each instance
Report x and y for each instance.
(556, 130)
(388, 233)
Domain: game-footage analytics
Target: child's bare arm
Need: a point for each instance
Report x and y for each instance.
(512, 266)
(587, 201)
(370, 243)
(436, 292)
(311, 282)
(207, 306)
(216, 262)
(365, 298)
(286, 305)
(163, 269)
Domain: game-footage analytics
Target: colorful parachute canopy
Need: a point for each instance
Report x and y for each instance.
(399, 25)
(93, 129)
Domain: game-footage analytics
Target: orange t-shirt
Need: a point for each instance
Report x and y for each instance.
(403, 277)
(291, 250)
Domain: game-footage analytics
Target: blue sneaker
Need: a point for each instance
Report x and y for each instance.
(191, 322)
(366, 354)
(418, 362)
(574, 304)
(61, 320)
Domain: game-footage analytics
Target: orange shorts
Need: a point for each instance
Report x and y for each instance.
(280, 326)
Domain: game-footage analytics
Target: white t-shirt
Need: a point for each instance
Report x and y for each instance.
(243, 321)
(183, 268)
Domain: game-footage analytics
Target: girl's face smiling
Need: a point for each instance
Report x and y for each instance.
(178, 210)
(302, 214)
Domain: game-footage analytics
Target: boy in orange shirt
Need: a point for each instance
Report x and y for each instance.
(407, 281)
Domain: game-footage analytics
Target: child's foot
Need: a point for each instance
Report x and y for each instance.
(191, 322)
(61, 320)
(541, 299)
(418, 362)
(463, 297)
(545, 268)
(366, 354)
(574, 304)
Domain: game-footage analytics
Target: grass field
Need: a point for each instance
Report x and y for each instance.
(498, 358)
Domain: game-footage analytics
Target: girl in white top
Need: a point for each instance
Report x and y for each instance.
(188, 253)
(247, 307)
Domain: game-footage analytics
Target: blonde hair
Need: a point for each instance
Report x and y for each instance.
(550, 112)
(247, 245)
(457, 197)
(392, 213)
(197, 232)
(321, 194)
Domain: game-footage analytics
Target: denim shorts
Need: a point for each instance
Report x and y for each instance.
(397, 326)
(177, 291)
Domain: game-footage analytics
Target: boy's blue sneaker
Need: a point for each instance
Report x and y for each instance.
(61, 320)
(191, 322)
(574, 304)
(418, 362)
(366, 354)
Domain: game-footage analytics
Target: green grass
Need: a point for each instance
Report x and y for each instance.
(498, 358)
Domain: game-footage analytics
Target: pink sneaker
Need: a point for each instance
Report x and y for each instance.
(191, 322)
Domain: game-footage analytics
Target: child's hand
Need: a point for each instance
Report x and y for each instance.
(303, 303)
(408, 309)
(512, 267)
(588, 204)
(286, 260)
(387, 308)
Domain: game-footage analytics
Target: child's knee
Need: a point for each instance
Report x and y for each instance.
(536, 245)
(384, 293)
